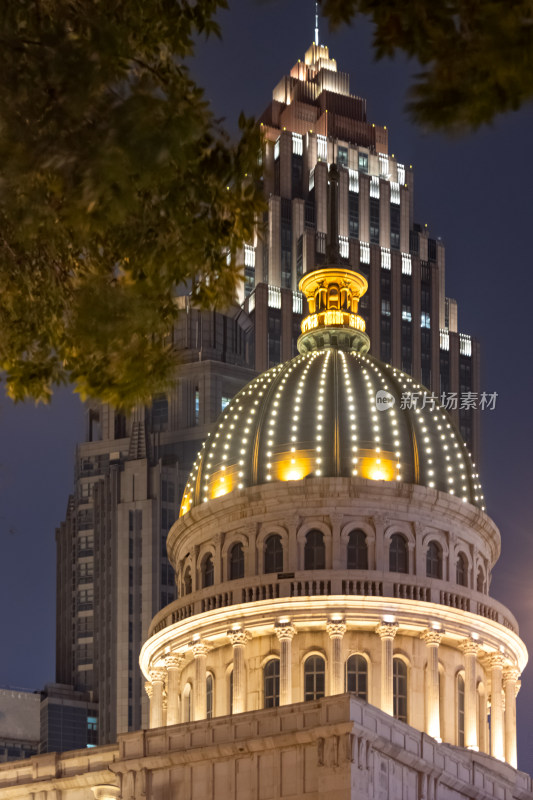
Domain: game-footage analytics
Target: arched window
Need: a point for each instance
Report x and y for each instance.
(357, 550)
(480, 583)
(209, 683)
(187, 703)
(460, 710)
(315, 551)
(208, 571)
(271, 683)
(187, 581)
(461, 574)
(236, 562)
(434, 561)
(356, 679)
(398, 555)
(314, 678)
(399, 688)
(273, 553)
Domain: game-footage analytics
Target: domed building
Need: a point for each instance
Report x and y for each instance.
(333, 539)
(334, 635)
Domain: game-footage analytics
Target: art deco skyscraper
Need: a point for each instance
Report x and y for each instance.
(314, 120)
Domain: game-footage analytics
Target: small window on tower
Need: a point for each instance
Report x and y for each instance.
(363, 162)
(342, 156)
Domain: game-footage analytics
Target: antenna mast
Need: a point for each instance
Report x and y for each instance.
(316, 24)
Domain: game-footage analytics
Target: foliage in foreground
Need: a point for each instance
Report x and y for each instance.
(476, 55)
(116, 186)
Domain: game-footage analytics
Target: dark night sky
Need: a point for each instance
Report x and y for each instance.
(474, 191)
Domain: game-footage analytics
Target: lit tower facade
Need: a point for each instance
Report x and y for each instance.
(314, 121)
(330, 541)
(112, 570)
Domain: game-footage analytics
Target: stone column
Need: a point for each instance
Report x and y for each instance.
(173, 663)
(285, 633)
(238, 639)
(336, 630)
(470, 649)
(433, 638)
(386, 632)
(510, 687)
(149, 691)
(497, 747)
(199, 650)
(157, 678)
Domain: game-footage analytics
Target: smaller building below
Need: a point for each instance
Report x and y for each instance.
(69, 719)
(338, 747)
(19, 723)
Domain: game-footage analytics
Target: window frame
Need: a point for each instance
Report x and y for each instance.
(312, 549)
(359, 659)
(360, 547)
(236, 565)
(271, 699)
(395, 553)
(397, 697)
(315, 675)
(268, 569)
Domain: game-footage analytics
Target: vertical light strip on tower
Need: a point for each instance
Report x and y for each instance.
(320, 413)
(353, 458)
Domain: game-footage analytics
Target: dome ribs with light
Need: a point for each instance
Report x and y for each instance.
(316, 416)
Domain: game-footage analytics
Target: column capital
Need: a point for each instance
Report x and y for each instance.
(149, 689)
(337, 629)
(157, 675)
(239, 636)
(496, 660)
(106, 791)
(510, 674)
(469, 647)
(200, 649)
(285, 631)
(387, 630)
(174, 660)
(432, 637)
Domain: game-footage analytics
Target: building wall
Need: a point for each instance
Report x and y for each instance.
(19, 723)
(337, 747)
(112, 571)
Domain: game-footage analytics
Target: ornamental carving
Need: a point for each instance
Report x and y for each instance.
(510, 675)
(200, 649)
(287, 631)
(469, 647)
(157, 676)
(148, 688)
(387, 630)
(496, 661)
(174, 661)
(336, 630)
(432, 637)
(239, 637)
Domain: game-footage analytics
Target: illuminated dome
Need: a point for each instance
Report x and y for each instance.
(333, 411)
(318, 415)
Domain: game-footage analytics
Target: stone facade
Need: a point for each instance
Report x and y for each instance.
(458, 646)
(337, 747)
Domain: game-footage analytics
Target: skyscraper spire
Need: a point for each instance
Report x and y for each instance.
(316, 24)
